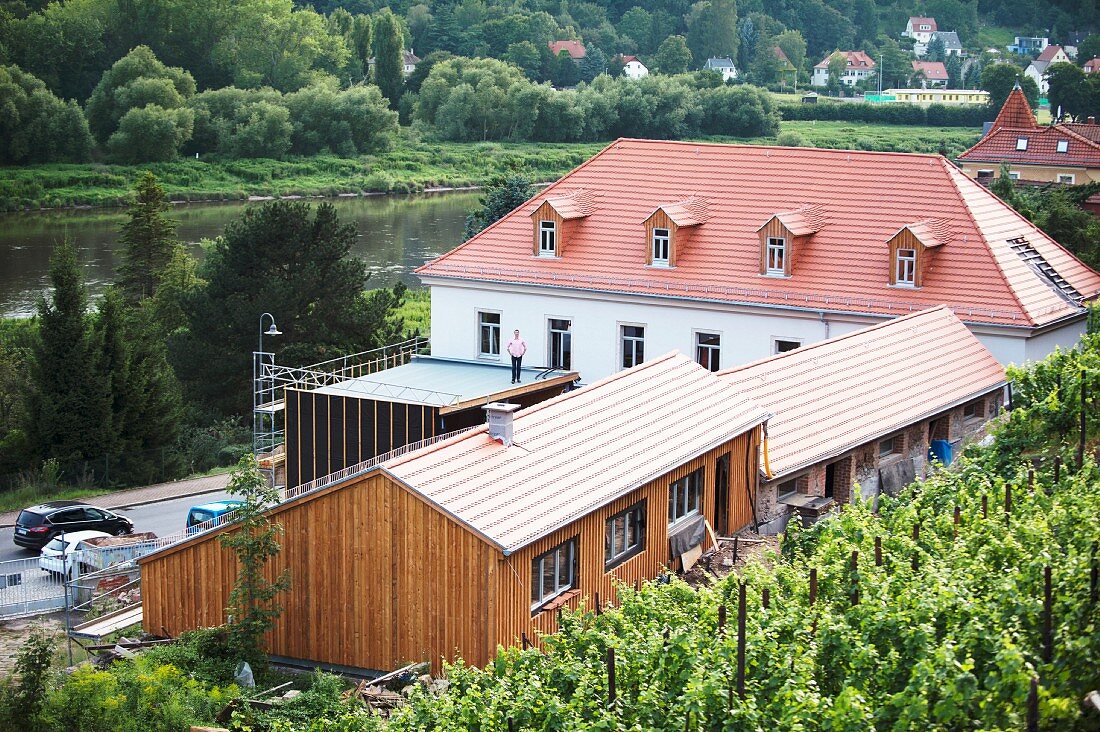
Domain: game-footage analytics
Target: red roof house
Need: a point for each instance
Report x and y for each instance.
(933, 71)
(1092, 65)
(575, 49)
(864, 213)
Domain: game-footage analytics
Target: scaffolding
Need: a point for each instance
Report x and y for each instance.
(270, 381)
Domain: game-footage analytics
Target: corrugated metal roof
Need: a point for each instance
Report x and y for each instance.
(833, 396)
(579, 451)
(866, 197)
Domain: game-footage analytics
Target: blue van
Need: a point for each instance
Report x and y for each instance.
(215, 513)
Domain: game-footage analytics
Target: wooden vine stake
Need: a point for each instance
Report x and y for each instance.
(855, 577)
(611, 676)
(523, 638)
(916, 550)
(1033, 705)
(511, 725)
(721, 619)
(1031, 480)
(813, 585)
(878, 551)
(1094, 577)
(1048, 618)
(1057, 468)
(985, 506)
(1081, 440)
(741, 610)
(955, 525)
(766, 594)
(1008, 503)
(598, 611)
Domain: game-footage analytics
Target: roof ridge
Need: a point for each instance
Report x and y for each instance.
(503, 218)
(952, 176)
(832, 150)
(802, 350)
(1076, 135)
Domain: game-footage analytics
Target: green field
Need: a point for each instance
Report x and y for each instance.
(409, 167)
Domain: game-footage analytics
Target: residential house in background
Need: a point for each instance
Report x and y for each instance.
(1092, 65)
(633, 68)
(1037, 69)
(732, 253)
(930, 73)
(1028, 45)
(723, 66)
(788, 74)
(575, 49)
(952, 46)
(1067, 153)
(409, 60)
(857, 67)
(920, 29)
(865, 409)
(474, 541)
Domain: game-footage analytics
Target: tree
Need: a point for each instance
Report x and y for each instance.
(253, 602)
(345, 122)
(525, 56)
(794, 46)
(936, 49)
(712, 29)
(593, 64)
(148, 238)
(637, 25)
(389, 50)
(23, 693)
(150, 134)
(500, 196)
(134, 81)
(420, 73)
(954, 72)
(476, 99)
(36, 126)
(1068, 90)
(294, 261)
(68, 408)
(741, 111)
(673, 56)
(766, 66)
(998, 80)
(1089, 48)
(838, 64)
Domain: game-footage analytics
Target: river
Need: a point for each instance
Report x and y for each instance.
(396, 235)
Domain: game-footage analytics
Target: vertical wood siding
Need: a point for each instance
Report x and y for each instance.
(906, 240)
(660, 220)
(776, 229)
(378, 578)
(546, 212)
(514, 579)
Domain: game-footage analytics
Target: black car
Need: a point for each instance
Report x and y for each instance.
(37, 525)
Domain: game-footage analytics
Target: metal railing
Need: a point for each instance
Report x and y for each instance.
(27, 589)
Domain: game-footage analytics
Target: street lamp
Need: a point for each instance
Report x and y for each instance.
(271, 331)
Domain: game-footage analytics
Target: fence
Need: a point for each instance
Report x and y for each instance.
(26, 589)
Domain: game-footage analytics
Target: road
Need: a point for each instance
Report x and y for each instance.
(162, 519)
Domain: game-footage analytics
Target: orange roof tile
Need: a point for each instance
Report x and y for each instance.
(1092, 65)
(1048, 53)
(692, 211)
(573, 204)
(575, 49)
(1001, 146)
(932, 70)
(853, 59)
(579, 451)
(930, 232)
(1015, 112)
(866, 196)
(833, 396)
(803, 221)
(916, 21)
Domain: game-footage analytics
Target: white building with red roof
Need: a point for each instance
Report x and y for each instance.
(633, 68)
(934, 73)
(1092, 65)
(734, 252)
(857, 67)
(920, 29)
(1037, 69)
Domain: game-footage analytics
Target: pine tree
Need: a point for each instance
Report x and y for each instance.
(389, 54)
(68, 414)
(149, 238)
(501, 196)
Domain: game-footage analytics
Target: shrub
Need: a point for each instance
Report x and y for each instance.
(790, 139)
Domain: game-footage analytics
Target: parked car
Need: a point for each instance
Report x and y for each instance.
(216, 513)
(38, 525)
(56, 557)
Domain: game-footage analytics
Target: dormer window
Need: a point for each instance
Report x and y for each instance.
(661, 239)
(1063, 146)
(548, 238)
(1021, 143)
(776, 257)
(905, 272)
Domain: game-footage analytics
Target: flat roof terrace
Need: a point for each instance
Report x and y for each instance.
(452, 385)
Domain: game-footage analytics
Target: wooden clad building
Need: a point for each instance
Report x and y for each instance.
(475, 541)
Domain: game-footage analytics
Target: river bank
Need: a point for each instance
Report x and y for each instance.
(411, 166)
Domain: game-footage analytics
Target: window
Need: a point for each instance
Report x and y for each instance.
(1014, 174)
(661, 240)
(707, 348)
(974, 410)
(1063, 146)
(553, 573)
(561, 344)
(906, 273)
(889, 446)
(1067, 178)
(776, 256)
(1021, 143)
(782, 345)
(683, 496)
(633, 342)
(624, 536)
(548, 239)
(488, 334)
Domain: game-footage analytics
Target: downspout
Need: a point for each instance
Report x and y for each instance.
(825, 322)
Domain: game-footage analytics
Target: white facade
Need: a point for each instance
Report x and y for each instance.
(852, 74)
(635, 69)
(596, 321)
(919, 29)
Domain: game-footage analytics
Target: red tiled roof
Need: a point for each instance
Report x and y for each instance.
(866, 197)
(1092, 65)
(575, 49)
(854, 59)
(930, 232)
(932, 70)
(572, 204)
(779, 54)
(691, 211)
(1048, 53)
(577, 452)
(1042, 147)
(833, 396)
(1015, 112)
(1088, 131)
(916, 22)
(803, 221)
(628, 59)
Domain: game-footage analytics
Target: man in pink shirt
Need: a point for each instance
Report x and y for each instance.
(516, 348)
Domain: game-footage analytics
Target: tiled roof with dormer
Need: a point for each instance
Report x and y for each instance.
(932, 70)
(1002, 144)
(575, 49)
(691, 211)
(866, 197)
(575, 204)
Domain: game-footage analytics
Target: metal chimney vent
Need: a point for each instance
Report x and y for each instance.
(499, 415)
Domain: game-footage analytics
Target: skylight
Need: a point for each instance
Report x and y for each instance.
(1063, 146)
(1021, 143)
